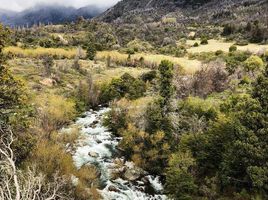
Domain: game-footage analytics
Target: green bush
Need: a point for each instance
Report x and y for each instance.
(219, 52)
(125, 86)
(204, 41)
(149, 76)
(196, 44)
(233, 48)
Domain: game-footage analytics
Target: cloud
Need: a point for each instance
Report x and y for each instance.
(19, 5)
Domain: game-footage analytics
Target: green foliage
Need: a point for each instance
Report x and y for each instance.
(253, 63)
(202, 108)
(219, 52)
(91, 52)
(12, 93)
(166, 78)
(48, 63)
(204, 41)
(149, 76)
(228, 29)
(146, 150)
(233, 48)
(125, 86)
(116, 119)
(180, 183)
(196, 44)
(260, 91)
(235, 59)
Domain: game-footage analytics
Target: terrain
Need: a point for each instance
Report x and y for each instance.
(149, 100)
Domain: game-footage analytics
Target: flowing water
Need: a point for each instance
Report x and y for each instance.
(98, 147)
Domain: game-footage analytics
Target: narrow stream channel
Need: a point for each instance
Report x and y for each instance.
(99, 147)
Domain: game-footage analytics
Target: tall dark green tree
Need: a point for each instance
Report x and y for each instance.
(158, 112)
(166, 78)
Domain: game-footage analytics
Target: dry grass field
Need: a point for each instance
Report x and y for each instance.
(189, 66)
(214, 45)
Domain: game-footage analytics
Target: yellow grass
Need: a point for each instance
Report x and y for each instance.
(39, 52)
(214, 45)
(108, 74)
(190, 66)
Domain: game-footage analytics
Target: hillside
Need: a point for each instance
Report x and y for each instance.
(204, 11)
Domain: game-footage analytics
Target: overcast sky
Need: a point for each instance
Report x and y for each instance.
(19, 5)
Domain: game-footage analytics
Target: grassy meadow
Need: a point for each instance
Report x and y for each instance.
(214, 45)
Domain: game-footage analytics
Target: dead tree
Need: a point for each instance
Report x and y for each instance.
(16, 184)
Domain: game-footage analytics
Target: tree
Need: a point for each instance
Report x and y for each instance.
(260, 91)
(166, 78)
(48, 63)
(157, 113)
(180, 183)
(91, 52)
(12, 91)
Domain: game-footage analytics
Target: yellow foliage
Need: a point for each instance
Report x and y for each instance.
(190, 66)
(51, 158)
(54, 111)
(40, 51)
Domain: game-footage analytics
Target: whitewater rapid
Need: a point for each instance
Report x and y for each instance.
(98, 147)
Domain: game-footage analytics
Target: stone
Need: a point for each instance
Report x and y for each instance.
(112, 188)
(93, 154)
(133, 174)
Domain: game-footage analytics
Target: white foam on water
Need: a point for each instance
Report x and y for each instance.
(96, 146)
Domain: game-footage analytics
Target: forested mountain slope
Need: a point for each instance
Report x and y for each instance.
(212, 11)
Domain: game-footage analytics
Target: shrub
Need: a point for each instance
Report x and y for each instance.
(54, 111)
(212, 78)
(204, 41)
(139, 46)
(149, 76)
(51, 158)
(219, 52)
(91, 52)
(147, 151)
(196, 44)
(116, 119)
(253, 63)
(125, 86)
(233, 48)
(180, 182)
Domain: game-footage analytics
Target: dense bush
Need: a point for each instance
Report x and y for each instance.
(232, 48)
(125, 86)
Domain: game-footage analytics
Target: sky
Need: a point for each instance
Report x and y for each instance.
(19, 5)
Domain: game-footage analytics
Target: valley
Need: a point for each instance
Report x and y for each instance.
(150, 100)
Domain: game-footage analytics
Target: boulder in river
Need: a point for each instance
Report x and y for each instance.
(133, 174)
(112, 188)
(93, 154)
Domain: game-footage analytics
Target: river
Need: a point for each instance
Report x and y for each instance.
(98, 147)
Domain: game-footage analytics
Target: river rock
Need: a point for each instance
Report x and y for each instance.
(133, 173)
(93, 154)
(145, 180)
(112, 188)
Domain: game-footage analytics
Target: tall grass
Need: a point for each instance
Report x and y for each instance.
(40, 52)
(150, 60)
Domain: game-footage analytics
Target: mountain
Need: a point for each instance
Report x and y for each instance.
(187, 11)
(55, 14)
